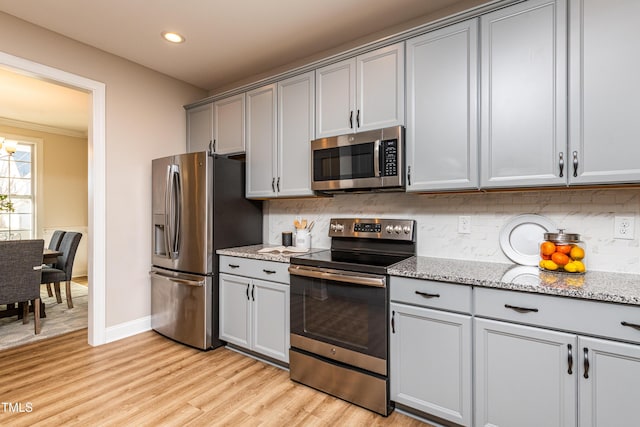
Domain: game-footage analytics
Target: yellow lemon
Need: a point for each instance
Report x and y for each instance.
(580, 268)
(577, 253)
(550, 265)
(571, 267)
(542, 263)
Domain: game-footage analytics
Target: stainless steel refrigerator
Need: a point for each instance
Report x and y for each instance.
(198, 207)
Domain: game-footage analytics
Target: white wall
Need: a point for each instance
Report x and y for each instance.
(589, 213)
(144, 120)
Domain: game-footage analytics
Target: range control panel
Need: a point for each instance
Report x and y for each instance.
(373, 228)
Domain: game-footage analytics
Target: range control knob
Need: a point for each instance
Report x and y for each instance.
(332, 227)
(406, 229)
(389, 229)
(339, 227)
(397, 229)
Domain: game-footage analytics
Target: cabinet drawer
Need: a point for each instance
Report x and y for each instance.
(264, 270)
(568, 314)
(427, 293)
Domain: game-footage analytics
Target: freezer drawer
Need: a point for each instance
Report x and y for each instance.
(181, 307)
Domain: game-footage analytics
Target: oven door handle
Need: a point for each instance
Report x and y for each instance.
(339, 276)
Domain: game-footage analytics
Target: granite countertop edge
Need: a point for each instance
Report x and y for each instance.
(251, 252)
(620, 288)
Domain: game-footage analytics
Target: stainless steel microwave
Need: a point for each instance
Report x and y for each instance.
(371, 160)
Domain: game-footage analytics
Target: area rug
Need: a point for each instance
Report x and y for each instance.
(59, 320)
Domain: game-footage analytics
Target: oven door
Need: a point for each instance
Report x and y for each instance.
(340, 315)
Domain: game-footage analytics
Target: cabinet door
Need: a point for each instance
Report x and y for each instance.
(523, 92)
(296, 114)
(234, 310)
(336, 99)
(199, 128)
(523, 377)
(261, 142)
(609, 394)
(270, 306)
(228, 124)
(442, 109)
(431, 362)
(380, 88)
(604, 91)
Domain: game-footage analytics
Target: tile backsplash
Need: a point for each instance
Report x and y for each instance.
(587, 212)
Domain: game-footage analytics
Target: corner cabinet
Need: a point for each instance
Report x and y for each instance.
(279, 133)
(254, 312)
(217, 126)
(523, 92)
(442, 109)
(361, 93)
(431, 347)
(604, 92)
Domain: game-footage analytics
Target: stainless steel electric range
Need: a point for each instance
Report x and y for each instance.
(340, 310)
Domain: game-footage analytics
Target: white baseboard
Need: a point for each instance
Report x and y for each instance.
(128, 329)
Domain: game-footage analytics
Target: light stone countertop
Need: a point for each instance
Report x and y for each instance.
(593, 285)
(252, 252)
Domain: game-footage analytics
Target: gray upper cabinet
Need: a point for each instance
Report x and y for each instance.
(279, 134)
(228, 125)
(199, 128)
(261, 142)
(217, 126)
(604, 91)
(296, 113)
(442, 109)
(523, 92)
(362, 93)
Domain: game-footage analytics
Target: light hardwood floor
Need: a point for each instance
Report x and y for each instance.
(148, 380)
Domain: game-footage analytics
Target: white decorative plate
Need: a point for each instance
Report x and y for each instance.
(520, 238)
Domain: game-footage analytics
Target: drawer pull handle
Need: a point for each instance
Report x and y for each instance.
(234, 265)
(570, 359)
(253, 293)
(269, 271)
(586, 363)
(521, 309)
(428, 295)
(248, 285)
(631, 325)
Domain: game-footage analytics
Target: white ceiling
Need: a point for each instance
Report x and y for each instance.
(226, 41)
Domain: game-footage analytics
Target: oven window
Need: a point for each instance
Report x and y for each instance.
(341, 314)
(350, 162)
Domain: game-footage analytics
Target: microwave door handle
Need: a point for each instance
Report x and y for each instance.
(376, 158)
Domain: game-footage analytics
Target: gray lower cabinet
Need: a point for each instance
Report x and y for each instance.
(254, 313)
(523, 377)
(524, 95)
(430, 353)
(539, 361)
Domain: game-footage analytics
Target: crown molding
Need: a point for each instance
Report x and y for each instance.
(42, 128)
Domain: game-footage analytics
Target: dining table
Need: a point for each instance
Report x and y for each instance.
(49, 256)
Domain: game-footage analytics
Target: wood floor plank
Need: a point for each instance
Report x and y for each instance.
(148, 380)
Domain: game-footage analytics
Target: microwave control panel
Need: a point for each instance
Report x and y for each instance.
(390, 157)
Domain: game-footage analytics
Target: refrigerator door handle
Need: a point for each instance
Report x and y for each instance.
(172, 206)
(178, 281)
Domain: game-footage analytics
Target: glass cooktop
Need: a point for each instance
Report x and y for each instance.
(364, 262)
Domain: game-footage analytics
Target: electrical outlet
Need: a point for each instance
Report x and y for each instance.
(464, 225)
(624, 227)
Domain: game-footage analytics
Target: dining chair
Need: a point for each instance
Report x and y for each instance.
(62, 269)
(54, 244)
(21, 274)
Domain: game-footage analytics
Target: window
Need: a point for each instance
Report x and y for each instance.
(17, 183)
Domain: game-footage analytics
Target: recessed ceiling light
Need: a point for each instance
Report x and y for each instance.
(172, 37)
